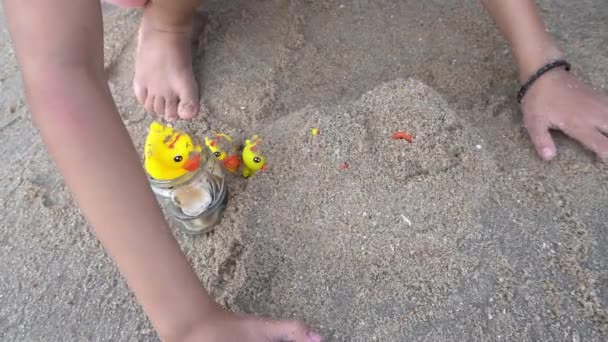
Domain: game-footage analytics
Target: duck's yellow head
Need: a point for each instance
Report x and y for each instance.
(252, 158)
(170, 154)
(213, 146)
(216, 147)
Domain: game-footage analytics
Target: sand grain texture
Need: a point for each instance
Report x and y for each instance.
(461, 235)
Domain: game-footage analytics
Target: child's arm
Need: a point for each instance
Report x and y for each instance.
(557, 100)
(59, 48)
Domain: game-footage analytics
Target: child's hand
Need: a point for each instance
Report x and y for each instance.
(559, 100)
(229, 327)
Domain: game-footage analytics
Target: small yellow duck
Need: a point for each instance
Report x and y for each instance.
(253, 161)
(170, 154)
(214, 146)
(230, 162)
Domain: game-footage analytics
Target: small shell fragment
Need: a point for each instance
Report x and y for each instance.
(192, 199)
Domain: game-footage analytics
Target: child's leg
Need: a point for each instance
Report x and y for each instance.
(164, 80)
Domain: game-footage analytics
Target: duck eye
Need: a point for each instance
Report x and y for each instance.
(217, 154)
(178, 159)
(257, 159)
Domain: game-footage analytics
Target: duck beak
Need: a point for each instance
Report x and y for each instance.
(193, 163)
(265, 167)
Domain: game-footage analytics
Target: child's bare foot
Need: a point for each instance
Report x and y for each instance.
(229, 327)
(164, 80)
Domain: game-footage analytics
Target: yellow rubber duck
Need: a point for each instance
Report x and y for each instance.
(170, 154)
(214, 145)
(253, 161)
(230, 162)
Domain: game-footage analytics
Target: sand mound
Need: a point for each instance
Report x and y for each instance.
(399, 215)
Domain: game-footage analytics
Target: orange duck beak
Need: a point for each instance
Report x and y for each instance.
(193, 163)
(231, 163)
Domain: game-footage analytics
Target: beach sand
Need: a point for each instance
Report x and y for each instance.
(461, 235)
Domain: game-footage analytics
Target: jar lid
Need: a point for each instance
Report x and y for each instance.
(170, 154)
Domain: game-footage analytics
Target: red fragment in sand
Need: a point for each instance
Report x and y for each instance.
(402, 135)
(344, 166)
(232, 163)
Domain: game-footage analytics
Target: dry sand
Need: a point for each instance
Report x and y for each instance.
(462, 235)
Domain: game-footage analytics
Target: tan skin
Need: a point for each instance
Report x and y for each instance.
(72, 106)
(164, 80)
(558, 100)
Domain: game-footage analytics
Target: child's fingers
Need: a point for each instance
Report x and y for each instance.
(592, 139)
(292, 331)
(541, 138)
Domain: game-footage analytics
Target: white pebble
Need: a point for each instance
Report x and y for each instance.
(409, 223)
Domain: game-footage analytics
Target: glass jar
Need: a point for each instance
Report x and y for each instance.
(195, 200)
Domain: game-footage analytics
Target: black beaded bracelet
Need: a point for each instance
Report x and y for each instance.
(558, 63)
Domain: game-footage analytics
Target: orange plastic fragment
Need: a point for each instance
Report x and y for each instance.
(402, 135)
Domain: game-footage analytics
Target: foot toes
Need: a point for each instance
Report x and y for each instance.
(159, 106)
(171, 103)
(149, 104)
(188, 110)
(188, 103)
(140, 93)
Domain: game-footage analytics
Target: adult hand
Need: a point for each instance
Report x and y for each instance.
(558, 100)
